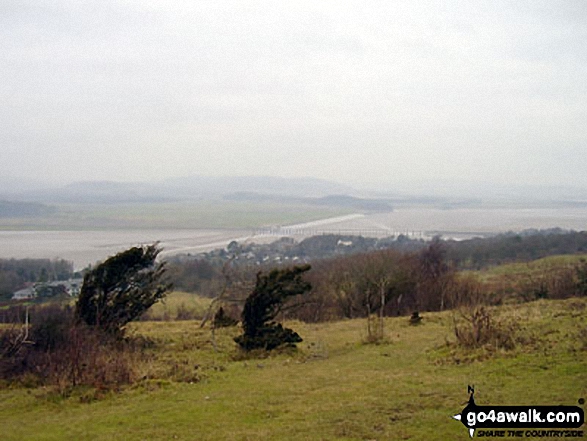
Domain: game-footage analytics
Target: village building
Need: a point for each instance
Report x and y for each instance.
(71, 287)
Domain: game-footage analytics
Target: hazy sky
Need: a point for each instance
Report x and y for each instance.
(491, 91)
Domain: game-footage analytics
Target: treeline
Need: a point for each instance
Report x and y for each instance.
(200, 276)
(342, 266)
(329, 245)
(204, 274)
(15, 273)
(505, 248)
(385, 283)
(388, 282)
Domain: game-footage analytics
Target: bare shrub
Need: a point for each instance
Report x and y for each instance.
(50, 326)
(477, 328)
(13, 314)
(375, 332)
(552, 282)
(11, 344)
(88, 358)
(61, 352)
(466, 291)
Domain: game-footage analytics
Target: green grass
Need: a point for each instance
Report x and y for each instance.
(523, 269)
(517, 282)
(333, 387)
(176, 302)
(193, 215)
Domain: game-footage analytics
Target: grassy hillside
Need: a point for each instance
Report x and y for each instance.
(524, 269)
(179, 305)
(552, 277)
(333, 387)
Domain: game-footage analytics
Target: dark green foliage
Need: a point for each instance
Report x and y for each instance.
(265, 303)
(44, 291)
(121, 289)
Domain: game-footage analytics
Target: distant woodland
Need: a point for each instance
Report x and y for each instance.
(355, 276)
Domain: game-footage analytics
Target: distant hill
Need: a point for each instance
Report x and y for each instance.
(24, 209)
(446, 195)
(187, 188)
(344, 201)
(354, 202)
(267, 185)
(99, 192)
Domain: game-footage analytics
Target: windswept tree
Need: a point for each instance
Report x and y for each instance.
(122, 288)
(267, 300)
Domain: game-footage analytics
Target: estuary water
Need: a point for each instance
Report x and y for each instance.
(88, 247)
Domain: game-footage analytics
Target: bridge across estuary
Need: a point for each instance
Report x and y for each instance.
(318, 231)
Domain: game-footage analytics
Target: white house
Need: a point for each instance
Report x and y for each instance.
(24, 294)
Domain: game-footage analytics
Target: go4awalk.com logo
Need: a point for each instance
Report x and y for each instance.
(521, 421)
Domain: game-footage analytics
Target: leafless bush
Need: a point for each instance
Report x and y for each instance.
(551, 282)
(50, 326)
(11, 343)
(466, 291)
(375, 331)
(477, 328)
(13, 314)
(61, 352)
(88, 358)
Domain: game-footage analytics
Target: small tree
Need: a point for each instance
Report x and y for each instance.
(265, 303)
(121, 289)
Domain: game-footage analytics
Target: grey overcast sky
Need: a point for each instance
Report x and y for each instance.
(357, 92)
